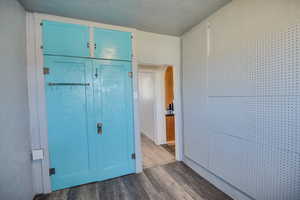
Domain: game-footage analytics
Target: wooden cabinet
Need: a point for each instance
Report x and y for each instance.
(65, 39)
(89, 104)
(112, 44)
(170, 127)
(169, 95)
(169, 91)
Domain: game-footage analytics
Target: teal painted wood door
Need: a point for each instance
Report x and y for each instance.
(70, 120)
(81, 93)
(65, 39)
(113, 106)
(112, 44)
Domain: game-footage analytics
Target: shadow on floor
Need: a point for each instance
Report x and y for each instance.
(170, 148)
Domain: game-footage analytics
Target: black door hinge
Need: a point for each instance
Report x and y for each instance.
(46, 70)
(41, 24)
(133, 156)
(51, 171)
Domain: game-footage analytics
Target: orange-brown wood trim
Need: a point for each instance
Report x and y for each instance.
(169, 86)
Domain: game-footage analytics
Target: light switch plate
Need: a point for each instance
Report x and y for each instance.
(37, 154)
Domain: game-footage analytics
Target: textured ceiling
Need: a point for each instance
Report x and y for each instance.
(172, 17)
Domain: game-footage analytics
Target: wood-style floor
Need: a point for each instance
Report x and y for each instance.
(163, 179)
(174, 181)
(170, 148)
(154, 155)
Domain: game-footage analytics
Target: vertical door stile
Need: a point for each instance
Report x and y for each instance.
(92, 42)
(90, 118)
(97, 114)
(129, 110)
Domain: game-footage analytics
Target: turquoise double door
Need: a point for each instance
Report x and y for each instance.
(89, 110)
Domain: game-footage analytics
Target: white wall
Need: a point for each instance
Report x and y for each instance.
(147, 105)
(241, 99)
(157, 49)
(15, 160)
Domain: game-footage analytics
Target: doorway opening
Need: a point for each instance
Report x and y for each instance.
(157, 117)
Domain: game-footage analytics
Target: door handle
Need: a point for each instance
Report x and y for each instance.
(99, 128)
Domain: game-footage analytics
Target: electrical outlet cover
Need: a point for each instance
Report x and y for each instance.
(37, 154)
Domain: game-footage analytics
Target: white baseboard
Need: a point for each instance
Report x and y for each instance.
(221, 184)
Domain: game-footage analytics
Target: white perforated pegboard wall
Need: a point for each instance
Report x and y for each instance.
(277, 70)
(247, 104)
(277, 76)
(256, 138)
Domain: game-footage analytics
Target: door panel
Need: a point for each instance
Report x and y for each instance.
(111, 44)
(113, 108)
(65, 39)
(68, 107)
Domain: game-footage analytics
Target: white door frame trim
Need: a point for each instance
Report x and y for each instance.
(36, 95)
(177, 106)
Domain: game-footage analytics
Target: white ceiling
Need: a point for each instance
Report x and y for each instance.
(172, 17)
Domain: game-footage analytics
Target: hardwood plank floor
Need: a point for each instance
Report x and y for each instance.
(170, 148)
(173, 181)
(154, 155)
